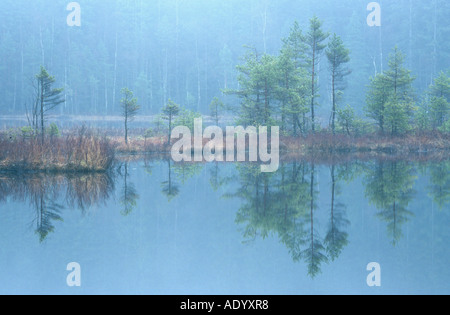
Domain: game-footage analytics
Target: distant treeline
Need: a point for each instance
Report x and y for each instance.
(187, 50)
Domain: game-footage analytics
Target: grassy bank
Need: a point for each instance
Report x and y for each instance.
(371, 143)
(80, 151)
(87, 151)
(320, 143)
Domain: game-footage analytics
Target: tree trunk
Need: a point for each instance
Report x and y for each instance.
(170, 128)
(41, 98)
(313, 88)
(333, 123)
(126, 129)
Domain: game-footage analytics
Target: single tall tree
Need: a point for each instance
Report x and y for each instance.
(314, 39)
(337, 56)
(47, 98)
(170, 111)
(130, 109)
(398, 77)
(292, 91)
(294, 79)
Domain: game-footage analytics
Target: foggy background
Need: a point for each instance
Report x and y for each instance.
(187, 50)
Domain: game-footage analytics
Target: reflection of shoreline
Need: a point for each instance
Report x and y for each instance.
(323, 144)
(78, 190)
(49, 195)
(285, 204)
(321, 158)
(302, 204)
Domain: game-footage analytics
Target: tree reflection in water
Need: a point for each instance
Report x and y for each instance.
(284, 204)
(49, 195)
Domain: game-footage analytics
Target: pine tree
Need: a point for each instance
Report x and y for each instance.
(377, 97)
(441, 86)
(294, 86)
(170, 111)
(129, 107)
(337, 56)
(215, 107)
(258, 82)
(439, 96)
(47, 98)
(390, 100)
(398, 77)
(314, 40)
(346, 118)
(292, 91)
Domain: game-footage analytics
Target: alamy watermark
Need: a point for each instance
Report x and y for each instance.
(374, 277)
(374, 18)
(229, 146)
(74, 277)
(74, 17)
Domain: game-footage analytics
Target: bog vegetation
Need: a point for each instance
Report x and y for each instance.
(274, 90)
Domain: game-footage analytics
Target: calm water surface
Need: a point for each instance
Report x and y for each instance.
(155, 227)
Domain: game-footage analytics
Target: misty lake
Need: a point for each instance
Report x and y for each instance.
(156, 227)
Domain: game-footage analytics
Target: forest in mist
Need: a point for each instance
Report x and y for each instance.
(188, 50)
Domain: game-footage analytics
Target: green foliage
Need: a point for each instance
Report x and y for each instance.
(149, 133)
(347, 119)
(314, 39)
(129, 108)
(445, 127)
(169, 112)
(258, 81)
(129, 195)
(177, 59)
(186, 118)
(47, 98)
(27, 132)
(184, 171)
(439, 188)
(215, 109)
(389, 100)
(274, 88)
(170, 188)
(389, 187)
(397, 115)
(439, 111)
(441, 86)
(338, 56)
(53, 130)
(129, 104)
(398, 78)
(284, 204)
(293, 90)
(434, 111)
(422, 117)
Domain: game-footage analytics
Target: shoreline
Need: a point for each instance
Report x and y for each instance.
(321, 148)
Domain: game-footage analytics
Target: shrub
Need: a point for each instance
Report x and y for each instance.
(53, 130)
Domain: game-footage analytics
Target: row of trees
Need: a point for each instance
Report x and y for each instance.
(282, 90)
(391, 102)
(275, 90)
(186, 50)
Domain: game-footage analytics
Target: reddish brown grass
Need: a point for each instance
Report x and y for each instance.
(81, 151)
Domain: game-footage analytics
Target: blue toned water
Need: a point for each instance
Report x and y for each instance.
(155, 227)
